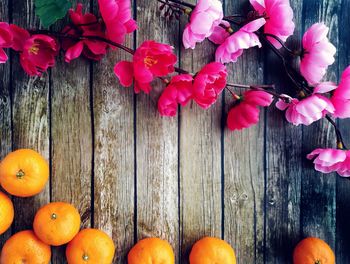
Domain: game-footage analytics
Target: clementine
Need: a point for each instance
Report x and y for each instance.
(313, 250)
(25, 247)
(24, 173)
(57, 223)
(91, 246)
(212, 250)
(6, 213)
(155, 249)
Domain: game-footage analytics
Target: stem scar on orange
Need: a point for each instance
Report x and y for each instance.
(212, 250)
(313, 250)
(25, 247)
(24, 173)
(90, 246)
(155, 249)
(57, 223)
(6, 212)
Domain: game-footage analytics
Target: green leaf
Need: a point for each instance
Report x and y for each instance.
(49, 11)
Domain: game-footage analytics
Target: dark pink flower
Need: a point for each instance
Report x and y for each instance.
(318, 53)
(178, 91)
(92, 49)
(37, 52)
(341, 96)
(245, 112)
(6, 39)
(206, 16)
(244, 38)
(209, 83)
(331, 160)
(151, 59)
(220, 34)
(117, 16)
(279, 18)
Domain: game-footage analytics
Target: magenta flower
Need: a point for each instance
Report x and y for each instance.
(220, 34)
(37, 52)
(279, 18)
(245, 38)
(206, 16)
(178, 91)
(331, 160)
(151, 59)
(6, 39)
(245, 112)
(209, 83)
(341, 96)
(318, 53)
(91, 49)
(117, 16)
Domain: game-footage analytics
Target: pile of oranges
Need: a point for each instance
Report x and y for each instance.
(25, 173)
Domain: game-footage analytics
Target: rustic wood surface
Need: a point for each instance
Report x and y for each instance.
(135, 174)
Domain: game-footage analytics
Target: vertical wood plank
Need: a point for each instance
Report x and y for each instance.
(30, 116)
(200, 158)
(71, 137)
(114, 153)
(5, 106)
(283, 160)
(318, 190)
(244, 163)
(156, 143)
(343, 184)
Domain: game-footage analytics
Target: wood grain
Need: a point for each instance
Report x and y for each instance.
(156, 143)
(114, 169)
(244, 163)
(30, 110)
(71, 137)
(200, 161)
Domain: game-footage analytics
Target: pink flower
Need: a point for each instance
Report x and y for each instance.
(318, 53)
(209, 83)
(279, 18)
(91, 49)
(341, 96)
(206, 16)
(245, 38)
(5, 40)
(37, 52)
(309, 109)
(117, 17)
(150, 60)
(331, 160)
(245, 112)
(220, 34)
(179, 91)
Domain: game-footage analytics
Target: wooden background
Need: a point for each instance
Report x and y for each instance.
(135, 174)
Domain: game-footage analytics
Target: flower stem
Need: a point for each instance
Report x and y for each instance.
(282, 43)
(340, 141)
(177, 6)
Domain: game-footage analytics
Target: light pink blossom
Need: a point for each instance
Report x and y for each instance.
(6, 39)
(341, 96)
(220, 34)
(244, 38)
(318, 53)
(279, 18)
(205, 17)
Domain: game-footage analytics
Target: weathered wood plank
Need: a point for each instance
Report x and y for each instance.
(5, 106)
(71, 129)
(156, 143)
(114, 154)
(244, 163)
(30, 97)
(318, 190)
(283, 160)
(200, 159)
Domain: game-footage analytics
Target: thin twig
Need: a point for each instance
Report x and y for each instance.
(281, 42)
(183, 3)
(340, 141)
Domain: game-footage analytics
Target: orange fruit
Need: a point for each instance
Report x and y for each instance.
(151, 250)
(57, 223)
(212, 250)
(24, 173)
(6, 212)
(90, 246)
(313, 250)
(25, 247)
